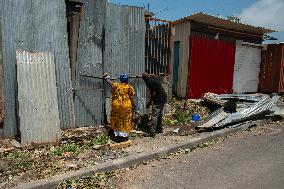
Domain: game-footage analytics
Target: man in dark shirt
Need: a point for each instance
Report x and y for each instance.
(158, 98)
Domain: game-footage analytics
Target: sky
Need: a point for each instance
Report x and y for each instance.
(264, 13)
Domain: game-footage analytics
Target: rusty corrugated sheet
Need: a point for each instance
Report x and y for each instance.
(35, 25)
(211, 66)
(124, 47)
(37, 95)
(89, 92)
(271, 77)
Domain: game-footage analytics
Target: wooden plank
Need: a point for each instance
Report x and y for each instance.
(120, 145)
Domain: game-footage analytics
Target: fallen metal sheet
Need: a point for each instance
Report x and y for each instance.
(243, 105)
(37, 95)
(214, 118)
(245, 97)
(213, 98)
(229, 105)
(266, 104)
(263, 104)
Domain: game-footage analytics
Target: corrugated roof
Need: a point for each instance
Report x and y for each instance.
(224, 23)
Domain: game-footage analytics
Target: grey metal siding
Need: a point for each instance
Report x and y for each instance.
(35, 25)
(182, 32)
(89, 93)
(37, 94)
(125, 47)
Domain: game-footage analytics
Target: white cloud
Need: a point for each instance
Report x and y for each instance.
(265, 13)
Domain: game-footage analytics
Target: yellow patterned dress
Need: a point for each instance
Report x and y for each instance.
(121, 109)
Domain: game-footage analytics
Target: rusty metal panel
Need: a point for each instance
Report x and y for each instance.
(124, 48)
(35, 25)
(89, 92)
(271, 77)
(37, 95)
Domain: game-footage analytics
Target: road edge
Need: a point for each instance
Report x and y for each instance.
(131, 160)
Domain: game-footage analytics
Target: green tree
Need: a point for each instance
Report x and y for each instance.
(234, 18)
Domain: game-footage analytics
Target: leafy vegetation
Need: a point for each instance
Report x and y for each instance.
(77, 148)
(22, 160)
(234, 18)
(97, 180)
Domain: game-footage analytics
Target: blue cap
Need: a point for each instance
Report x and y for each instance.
(123, 77)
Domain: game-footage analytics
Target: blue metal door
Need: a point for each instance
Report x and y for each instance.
(175, 67)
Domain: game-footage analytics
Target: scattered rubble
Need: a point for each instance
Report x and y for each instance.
(182, 110)
(176, 130)
(235, 108)
(80, 148)
(15, 143)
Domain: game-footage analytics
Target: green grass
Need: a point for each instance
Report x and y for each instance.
(76, 149)
(22, 160)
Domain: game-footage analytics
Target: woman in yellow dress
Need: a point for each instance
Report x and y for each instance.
(122, 107)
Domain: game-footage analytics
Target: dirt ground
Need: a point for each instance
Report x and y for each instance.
(79, 148)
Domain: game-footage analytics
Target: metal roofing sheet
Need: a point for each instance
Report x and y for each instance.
(37, 95)
(224, 23)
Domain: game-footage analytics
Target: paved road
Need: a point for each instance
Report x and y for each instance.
(252, 159)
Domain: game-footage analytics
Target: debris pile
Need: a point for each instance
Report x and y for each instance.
(181, 112)
(236, 108)
(178, 117)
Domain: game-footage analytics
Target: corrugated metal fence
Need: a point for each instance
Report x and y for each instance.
(35, 25)
(124, 47)
(89, 92)
(111, 39)
(271, 77)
